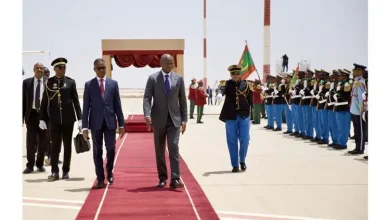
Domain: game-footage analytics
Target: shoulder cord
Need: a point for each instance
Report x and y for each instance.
(243, 93)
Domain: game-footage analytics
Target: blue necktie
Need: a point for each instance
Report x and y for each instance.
(38, 95)
(167, 86)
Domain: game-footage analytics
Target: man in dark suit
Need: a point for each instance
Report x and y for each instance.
(209, 93)
(168, 113)
(33, 88)
(61, 107)
(101, 109)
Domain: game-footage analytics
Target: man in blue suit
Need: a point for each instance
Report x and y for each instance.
(101, 109)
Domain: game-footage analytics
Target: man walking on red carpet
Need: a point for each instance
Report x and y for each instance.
(168, 113)
(101, 107)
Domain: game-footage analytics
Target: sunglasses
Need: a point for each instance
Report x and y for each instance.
(236, 73)
(61, 66)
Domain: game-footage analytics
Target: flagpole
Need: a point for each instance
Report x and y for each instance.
(204, 45)
(267, 38)
(246, 43)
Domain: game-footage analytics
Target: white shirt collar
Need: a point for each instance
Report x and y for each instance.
(169, 74)
(36, 79)
(104, 78)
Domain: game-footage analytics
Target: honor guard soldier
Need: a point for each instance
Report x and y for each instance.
(365, 101)
(322, 120)
(235, 113)
(271, 85)
(305, 103)
(299, 85)
(279, 102)
(287, 106)
(313, 105)
(341, 108)
(357, 103)
(201, 97)
(61, 100)
(192, 97)
(329, 106)
(256, 101)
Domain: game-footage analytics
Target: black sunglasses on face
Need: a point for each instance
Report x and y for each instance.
(61, 66)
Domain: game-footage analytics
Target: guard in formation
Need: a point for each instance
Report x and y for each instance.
(236, 115)
(318, 104)
(61, 103)
(192, 97)
(201, 100)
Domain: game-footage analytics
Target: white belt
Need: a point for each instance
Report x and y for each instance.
(330, 103)
(341, 103)
(322, 101)
(295, 96)
(276, 96)
(307, 97)
(269, 96)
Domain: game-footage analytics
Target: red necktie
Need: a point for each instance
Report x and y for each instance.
(102, 86)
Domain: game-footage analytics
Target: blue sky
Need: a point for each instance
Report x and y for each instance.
(330, 33)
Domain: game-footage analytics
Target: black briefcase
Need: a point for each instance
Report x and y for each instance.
(80, 144)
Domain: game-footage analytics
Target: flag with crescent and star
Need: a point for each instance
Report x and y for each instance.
(247, 64)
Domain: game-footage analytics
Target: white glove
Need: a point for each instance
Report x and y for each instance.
(283, 81)
(338, 88)
(304, 84)
(276, 91)
(289, 106)
(291, 91)
(312, 92)
(326, 94)
(331, 86)
(42, 125)
(364, 96)
(320, 89)
(315, 86)
(302, 92)
(364, 116)
(335, 97)
(80, 124)
(317, 96)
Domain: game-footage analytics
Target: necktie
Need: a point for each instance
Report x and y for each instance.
(102, 86)
(167, 86)
(38, 95)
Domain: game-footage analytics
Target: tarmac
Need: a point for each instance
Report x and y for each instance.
(287, 178)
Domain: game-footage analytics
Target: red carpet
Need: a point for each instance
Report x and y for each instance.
(134, 194)
(136, 123)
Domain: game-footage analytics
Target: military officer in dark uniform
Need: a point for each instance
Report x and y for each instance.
(62, 103)
(236, 114)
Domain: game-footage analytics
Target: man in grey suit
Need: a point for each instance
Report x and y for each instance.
(168, 113)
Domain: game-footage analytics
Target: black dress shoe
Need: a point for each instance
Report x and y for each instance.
(321, 142)
(266, 127)
(339, 147)
(99, 184)
(110, 179)
(243, 166)
(235, 169)
(176, 183)
(199, 122)
(357, 152)
(162, 183)
(28, 170)
(365, 157)
(65, 175)
(294, 134)
(41, 169)
(287, 132)
(277, 129)
(331, 145)
(53, 177)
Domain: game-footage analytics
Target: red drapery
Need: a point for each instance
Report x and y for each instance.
(141, 58)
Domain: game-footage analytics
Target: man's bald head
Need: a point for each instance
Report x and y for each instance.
(166, 63)
(38, 70)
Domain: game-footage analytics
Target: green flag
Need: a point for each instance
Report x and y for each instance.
(247, 64)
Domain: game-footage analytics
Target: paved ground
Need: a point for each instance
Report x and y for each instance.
(286, 178)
